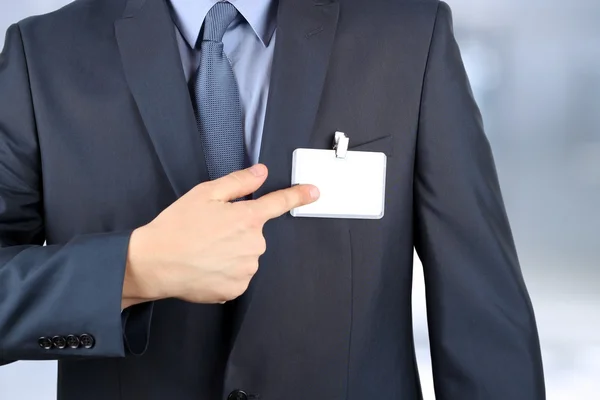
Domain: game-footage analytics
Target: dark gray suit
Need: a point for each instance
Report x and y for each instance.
(97, 136)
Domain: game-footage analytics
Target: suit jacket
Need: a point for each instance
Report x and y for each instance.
(97, 136)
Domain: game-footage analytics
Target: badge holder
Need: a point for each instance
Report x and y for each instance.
(352, 183)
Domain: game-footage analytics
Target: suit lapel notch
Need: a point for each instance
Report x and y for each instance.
(132, 7)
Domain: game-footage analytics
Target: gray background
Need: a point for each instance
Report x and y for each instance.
(535, 70)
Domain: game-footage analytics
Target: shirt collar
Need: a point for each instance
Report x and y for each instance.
(189, 16)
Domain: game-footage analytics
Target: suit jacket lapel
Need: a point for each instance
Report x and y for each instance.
(153, 69)
(305, 35)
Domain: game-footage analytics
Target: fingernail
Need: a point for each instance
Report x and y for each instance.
(314, 193)
(258, 170)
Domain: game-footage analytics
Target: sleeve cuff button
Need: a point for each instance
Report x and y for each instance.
(59, 342)
(86, 341)
(45, 343)
(73, 342)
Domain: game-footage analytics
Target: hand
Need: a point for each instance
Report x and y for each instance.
(204, 248)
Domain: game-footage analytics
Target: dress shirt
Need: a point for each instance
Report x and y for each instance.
(249, 43)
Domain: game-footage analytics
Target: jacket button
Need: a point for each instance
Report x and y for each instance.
(86, 341)
(238, 395)
(45, 343)
(59, 342)
(73, 342)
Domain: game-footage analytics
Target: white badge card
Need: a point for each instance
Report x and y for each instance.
(352, 183)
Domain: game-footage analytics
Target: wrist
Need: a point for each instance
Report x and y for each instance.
(140, 283)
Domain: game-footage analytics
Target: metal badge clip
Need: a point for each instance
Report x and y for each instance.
(341, 144)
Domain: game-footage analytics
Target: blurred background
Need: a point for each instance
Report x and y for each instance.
(535, 70)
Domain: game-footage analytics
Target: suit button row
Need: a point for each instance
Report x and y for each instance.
(61, 342)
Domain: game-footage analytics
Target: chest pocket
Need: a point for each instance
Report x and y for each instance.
(383, 144)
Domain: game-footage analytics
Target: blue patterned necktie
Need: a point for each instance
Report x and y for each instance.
(218, 106)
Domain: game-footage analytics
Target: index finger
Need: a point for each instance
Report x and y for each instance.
(277, 203)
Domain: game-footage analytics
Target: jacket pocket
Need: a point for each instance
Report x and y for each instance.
(383, 144)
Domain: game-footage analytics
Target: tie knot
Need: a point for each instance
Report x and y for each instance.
(220, 16)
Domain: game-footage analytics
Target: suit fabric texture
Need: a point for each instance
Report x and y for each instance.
(98, 136)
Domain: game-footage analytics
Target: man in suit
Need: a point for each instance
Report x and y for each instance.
(135, 137)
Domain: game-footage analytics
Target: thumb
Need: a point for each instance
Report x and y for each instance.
(238, 184)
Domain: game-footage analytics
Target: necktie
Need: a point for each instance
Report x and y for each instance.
(218, 106)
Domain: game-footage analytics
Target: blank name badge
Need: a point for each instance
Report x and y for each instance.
(352, 183)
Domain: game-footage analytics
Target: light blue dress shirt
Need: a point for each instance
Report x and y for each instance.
(249, 44)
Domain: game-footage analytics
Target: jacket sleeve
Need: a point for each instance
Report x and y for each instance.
(484, 340)
(55, 301)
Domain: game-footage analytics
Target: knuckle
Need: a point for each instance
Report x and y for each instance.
(222, 298)
(251, 217)
(239, 289)
(243, 213)
(220, 295)
(237, 177)
(291, 196)
(296, 197)
(207, 190)
(284, 200)
(261, 245)
(302, 196)
(262, 249)
(232, 292)
(252, 268)
(200, 189)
